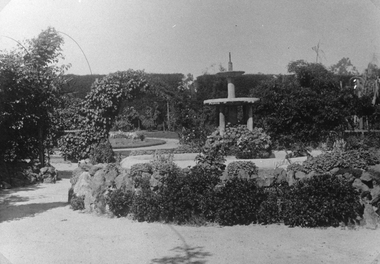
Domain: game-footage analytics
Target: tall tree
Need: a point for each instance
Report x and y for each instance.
(29, 82)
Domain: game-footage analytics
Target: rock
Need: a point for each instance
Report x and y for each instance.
(268, 181)
(300, 175)
(82, 186)
(85, 166)
(311, 174)
(89, 201)
(48, 174)
(348, 177)
(75, 176)
(280, 174)
(375, 172)
(260, 182)
(375, 194)
(124, 181)
(334, 171)
(5, 185)
(70, 194)
(290, 178)
(111, 171)
(366, 176)
(97, 183)
(95, 168)
(370, 217)
(358, 184)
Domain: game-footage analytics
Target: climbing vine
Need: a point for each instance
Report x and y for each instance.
(100, 108)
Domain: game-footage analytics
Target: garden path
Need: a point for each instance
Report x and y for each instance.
(37, 226)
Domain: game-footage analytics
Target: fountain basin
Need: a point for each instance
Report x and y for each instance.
(231, 101)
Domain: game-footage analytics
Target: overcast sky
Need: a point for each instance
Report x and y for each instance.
(189, 36)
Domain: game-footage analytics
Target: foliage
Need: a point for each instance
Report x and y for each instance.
(164, 164)
(101, 106)
(321, 201)
(238, 202)
(355, 159)
(304, 108)
(295, 167)
(212, 158)
(138, 170)
(272, 208)
(77, 202)
(102, 153)
(120, 201)
(254, 144)
(146, 206)
(236, 168)
(344, 67)
(30, 82)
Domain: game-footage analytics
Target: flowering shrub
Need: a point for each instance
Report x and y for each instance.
(356, 159)
(128, 135)
(254, 144)
(241, 168)
(243, 143)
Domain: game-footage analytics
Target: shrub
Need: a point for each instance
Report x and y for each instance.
(139, 168)
(146, 206)
(272, 208)
(184, 198)
(295, 167)
(254, 144)
(77, 202)
(164, 164)
(355, 159)
(239, 168)
(120, 201)
(102, 153)
(238, 202)
(324, 200)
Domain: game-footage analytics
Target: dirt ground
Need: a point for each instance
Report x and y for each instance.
(38, 226)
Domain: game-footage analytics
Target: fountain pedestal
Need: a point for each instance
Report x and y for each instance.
(231, 103)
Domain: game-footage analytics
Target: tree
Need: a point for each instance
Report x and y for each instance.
(30, 81)
(344, 67)
(305, 108)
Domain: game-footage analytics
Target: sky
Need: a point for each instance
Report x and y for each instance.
(194, 36)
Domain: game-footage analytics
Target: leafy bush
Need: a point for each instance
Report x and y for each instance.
(164, 164)
(184, 198)
(358, 159)
(295, 167)
(238, 202)
(272, 208)
(321, 201)
(146, 206)
(138, 170)
(77, 202)
(236, 168)
(120, 201)
(254, 144)
(102, 153)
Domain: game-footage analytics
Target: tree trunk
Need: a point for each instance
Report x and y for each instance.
(41, 146)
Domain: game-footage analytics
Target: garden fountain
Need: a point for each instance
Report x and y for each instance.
(229, 106)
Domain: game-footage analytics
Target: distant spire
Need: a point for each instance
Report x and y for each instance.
(229, 62)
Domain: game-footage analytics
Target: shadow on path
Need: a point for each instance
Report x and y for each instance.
(184, 254)
(9, 212)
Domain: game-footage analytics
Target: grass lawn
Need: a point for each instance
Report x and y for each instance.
(160, 134)
(129, 143)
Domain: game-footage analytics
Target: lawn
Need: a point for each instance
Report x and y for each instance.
(130, 143)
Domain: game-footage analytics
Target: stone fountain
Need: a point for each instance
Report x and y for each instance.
(228, 107)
